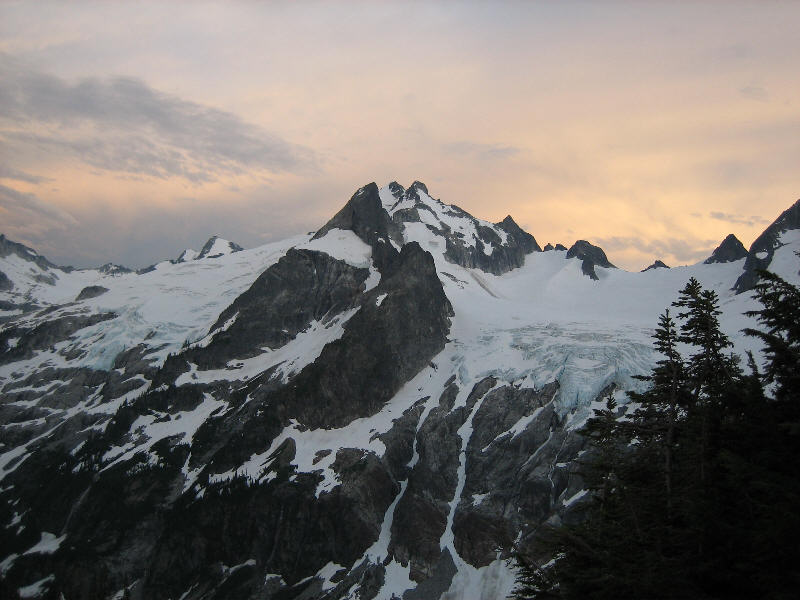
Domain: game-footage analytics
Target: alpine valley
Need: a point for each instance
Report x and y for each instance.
(384, 408)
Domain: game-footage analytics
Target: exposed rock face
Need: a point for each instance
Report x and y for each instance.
(283, 521)
(215, 246)
(590, 256)
(365, 216)
(391, 341)
(500, 473)
(112, 269)
(8, 247)
(302, 287)
(523, 239)
(763, 248)
(656, 265)
(584, 250)
(504, 256)
(6, 285)
(548, 247)
(587, 268)
(561, 247)
(491, 247)
(44, 334)
(91, 291)
(187, 255)
(729, 250)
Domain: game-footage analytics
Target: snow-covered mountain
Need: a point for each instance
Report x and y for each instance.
(380, 409)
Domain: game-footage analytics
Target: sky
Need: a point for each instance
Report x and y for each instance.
(132, 130)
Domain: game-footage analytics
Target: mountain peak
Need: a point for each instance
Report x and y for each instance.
(418, 185)
(526, 241)
(215, 247)
(583, 250)
(658, 264)
(364, 215)
(186, 255)
(113, 269)
(731, 249)
(397, 190)
(8, 247)
(591, 256)
(763, 248)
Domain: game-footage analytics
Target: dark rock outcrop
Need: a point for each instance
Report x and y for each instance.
(303, 286)
(112, 269)
(365, 216)
(8, 247)
(44, 334)
(381, 348)
(500, 473)
(587, 268)
(548, 247)
(132, 521)
(763, 248)
(584, 250)
(591, 256)
(522, 238)
(492, 252)
(91, 291)
(656, 265)
(205, 251)
(561, 247)
(502, 257)
(6, 285)
(731, 249)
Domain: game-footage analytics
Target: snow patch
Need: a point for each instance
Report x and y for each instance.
(36, 589)
(291, 358)
(495, 580)
(48, 544)
(342, 244)
(575, 497)
(397, 580)
(326, 573)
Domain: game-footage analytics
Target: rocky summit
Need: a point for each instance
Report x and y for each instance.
(385, 408)
(731, 249)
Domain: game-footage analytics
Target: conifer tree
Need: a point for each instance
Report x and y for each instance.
(781, 317)
(696, 491)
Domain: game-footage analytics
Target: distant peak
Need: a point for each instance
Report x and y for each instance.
(365, 216)
(113, 269)
(509, 220)
(186, 256)
(584, 250)
(8, 246)
(419, 186)
(656, 265)
(730, 250)
(763, 248)
(525, 239)
(396, 190)
(217, 246)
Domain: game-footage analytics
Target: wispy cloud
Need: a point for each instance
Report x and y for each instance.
(26, 218)
(7, 172)
(482, 151)
(123, 125)
(754, 92)
(738, 219)
(684, 250)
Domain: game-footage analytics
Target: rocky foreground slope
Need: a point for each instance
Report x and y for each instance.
(384, 408)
